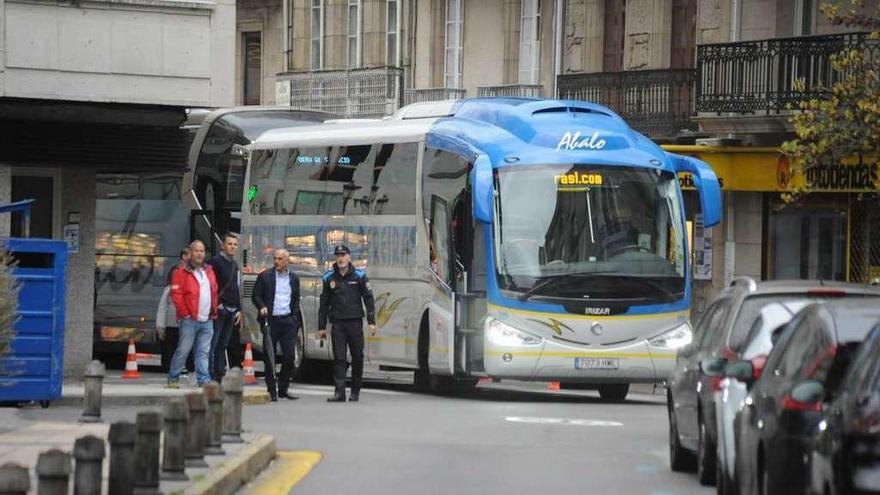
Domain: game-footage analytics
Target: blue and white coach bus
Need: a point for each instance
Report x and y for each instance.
(526, 239)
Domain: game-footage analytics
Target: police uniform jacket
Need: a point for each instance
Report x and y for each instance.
(342, 295)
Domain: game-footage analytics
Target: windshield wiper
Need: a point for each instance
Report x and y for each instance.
(555, 278)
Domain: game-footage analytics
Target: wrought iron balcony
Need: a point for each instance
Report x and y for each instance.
(416, 95)
(657, 103)
(759, 76)
(359, 93)
(512, 90)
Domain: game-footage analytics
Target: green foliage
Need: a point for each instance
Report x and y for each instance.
(8, 304)
(846, 125)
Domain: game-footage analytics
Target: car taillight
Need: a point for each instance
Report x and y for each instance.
(792, 405)
(758, 364)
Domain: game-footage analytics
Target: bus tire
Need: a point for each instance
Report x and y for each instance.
(614, 392)
(319, 371)
(422, 377)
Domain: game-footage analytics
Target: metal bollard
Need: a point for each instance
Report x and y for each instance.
(233, 388)
(195, 432)
(93, 382)
(53, 473)
(214, 420)
(88, 452)
(174, 443)
(122, 439)
(146, 453)
(14, 479)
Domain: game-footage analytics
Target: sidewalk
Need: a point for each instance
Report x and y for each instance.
(28, 431)
(149, 390)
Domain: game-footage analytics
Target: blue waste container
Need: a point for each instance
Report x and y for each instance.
(33, 370)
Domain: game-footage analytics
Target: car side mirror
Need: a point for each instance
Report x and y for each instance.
(713, 366)
(740, 370)
(776, 334)
(808, 392)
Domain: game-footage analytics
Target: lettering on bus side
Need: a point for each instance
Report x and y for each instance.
(572, 141)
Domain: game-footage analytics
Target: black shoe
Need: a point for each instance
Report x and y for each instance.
(285, 395)
(336, 398)
(354, 397)
(273, 397)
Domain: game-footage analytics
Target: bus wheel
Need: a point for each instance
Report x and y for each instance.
(614, 393)
(316, 371)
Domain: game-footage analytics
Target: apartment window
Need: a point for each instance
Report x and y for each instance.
(392, 28)
(317, 40)
(354, 33)
(253, 48)
(803, 17)
(454, 17)
(530, 42)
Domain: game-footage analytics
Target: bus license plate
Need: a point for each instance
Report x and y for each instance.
(594, 363)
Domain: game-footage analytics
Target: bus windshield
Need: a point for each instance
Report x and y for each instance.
(589, 232)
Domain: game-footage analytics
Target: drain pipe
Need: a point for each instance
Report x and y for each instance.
(557, 56)
(285, 43)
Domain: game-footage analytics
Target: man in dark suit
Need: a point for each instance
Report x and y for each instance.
(276, 297)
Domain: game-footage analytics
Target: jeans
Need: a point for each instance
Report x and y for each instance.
(219, 342)
(281, 332)
(196, 333)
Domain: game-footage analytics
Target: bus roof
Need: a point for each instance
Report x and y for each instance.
(508, 130)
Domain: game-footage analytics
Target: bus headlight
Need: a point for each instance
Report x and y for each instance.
(676, 338)
(505, 335)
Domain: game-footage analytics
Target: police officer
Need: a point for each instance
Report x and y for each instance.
(344, 289)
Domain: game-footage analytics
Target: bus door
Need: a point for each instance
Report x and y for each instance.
(470, 285)
(200, 227)
(442, 312)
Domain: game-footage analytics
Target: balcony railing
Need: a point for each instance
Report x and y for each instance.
(658, 103)
(360, 93)
(431, 94)
(759, 76)
(511, 90)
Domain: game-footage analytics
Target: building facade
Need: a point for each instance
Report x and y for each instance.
(95, 87)
(718, 73)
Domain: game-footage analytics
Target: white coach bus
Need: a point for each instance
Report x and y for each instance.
(526, 239)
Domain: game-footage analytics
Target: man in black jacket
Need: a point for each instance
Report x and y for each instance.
(228, 310)
(344, 289)
(276, 297)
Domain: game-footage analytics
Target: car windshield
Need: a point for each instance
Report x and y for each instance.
(589, 232)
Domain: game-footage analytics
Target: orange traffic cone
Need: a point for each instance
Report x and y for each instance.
(131, 363)
(249, 376)
(553, 386)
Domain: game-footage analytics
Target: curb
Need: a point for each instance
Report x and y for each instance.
(226, 478)
(251, 397)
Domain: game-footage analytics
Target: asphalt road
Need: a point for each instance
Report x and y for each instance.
(502, 439)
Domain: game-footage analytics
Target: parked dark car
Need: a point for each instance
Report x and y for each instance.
(804, 371)
(720, 336)
(845, 456)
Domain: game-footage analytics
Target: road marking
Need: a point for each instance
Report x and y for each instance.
(561, 421)
(289, 468)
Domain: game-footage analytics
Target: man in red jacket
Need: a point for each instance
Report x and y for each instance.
(194, 294)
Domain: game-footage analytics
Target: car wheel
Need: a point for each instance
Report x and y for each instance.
(680, 459)
(705, 457)
(614, 393)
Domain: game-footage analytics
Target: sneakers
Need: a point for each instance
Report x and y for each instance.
(174, 385)
(354, 397)
(336, 398)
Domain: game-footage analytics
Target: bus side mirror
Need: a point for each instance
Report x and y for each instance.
(706, 183)
(481, 178)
